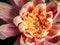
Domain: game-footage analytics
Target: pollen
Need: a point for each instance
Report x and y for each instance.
(38, 22)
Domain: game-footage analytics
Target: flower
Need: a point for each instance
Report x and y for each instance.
(18, 21)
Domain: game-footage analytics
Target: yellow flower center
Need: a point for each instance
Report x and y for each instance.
(38, 22)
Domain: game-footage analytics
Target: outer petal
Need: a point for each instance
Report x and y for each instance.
(48, 43)
(57, 16)
(45, 42)
(8, 30)
(51, 6)
(57, 19)
(37, 2)
(20, 3)
(7, 12)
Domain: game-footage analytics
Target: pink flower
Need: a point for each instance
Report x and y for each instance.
(9, 12)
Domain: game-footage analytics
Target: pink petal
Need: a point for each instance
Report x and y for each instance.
(48, 43)
(39, 43)
(7, 12)
(53, 30)
(37, 2)
(8, 30)
(55, 40)
(57, 19)
(23, 38)
(45, 42)
(20, 3)
(26, 39)
(51, 6)
(57, 16)
(55, 33)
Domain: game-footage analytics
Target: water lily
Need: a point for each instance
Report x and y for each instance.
(34, 20)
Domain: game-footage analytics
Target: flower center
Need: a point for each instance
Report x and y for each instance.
(38, 22)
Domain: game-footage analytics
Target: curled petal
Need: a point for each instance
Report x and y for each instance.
(7, 12)
(8, 30)
(26, 8)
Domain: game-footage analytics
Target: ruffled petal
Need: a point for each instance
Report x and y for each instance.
(8, 30)
(7, 12)
(20, 3)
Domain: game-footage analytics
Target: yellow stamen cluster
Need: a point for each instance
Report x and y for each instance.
(38, 22)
